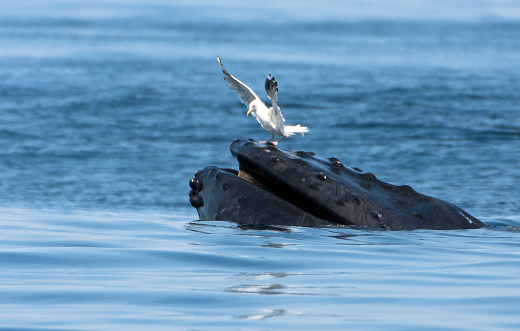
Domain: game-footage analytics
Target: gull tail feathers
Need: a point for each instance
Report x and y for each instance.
(291, 130)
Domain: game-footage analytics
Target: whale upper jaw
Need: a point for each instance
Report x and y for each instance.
(276, 186)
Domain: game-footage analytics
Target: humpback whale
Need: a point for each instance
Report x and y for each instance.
(278, 186)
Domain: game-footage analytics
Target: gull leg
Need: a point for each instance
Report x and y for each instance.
(263, 142)
(277, 140)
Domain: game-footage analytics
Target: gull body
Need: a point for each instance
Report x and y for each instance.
(271, 119)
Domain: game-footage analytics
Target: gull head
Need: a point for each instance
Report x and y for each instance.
(252, 108)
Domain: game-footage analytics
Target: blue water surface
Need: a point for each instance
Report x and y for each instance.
(109, 108)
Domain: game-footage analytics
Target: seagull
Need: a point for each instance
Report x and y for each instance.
(271, 118)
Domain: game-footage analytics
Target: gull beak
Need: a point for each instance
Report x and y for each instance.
(248, 112)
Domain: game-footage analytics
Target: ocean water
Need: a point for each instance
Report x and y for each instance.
(108, 108)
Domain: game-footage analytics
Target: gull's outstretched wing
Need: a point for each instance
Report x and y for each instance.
(245, 94)
(271, 87)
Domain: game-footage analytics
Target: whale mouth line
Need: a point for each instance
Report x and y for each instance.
(255, 175)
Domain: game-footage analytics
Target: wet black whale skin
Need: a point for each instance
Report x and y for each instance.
(310, 191)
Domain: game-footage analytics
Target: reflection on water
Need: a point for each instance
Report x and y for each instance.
(268, 289)
(260, 289)
(277, 245)
(263, 275)
(266, 313)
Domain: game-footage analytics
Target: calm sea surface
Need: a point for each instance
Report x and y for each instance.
(109, 107)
